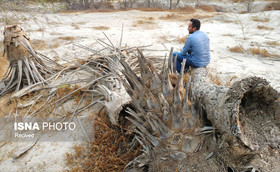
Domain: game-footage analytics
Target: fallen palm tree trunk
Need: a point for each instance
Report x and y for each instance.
(247, 115)
(170, 128)
(26, 67)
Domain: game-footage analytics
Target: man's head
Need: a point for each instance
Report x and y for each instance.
(194, 25)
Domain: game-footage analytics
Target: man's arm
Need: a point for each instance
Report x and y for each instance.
(187, 46)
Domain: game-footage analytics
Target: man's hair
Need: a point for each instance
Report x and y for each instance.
(195, 23)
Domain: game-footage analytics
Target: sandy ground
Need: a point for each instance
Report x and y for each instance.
(54, 35)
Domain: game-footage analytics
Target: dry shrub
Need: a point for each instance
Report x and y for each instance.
(207, 8)
(109, 152)
(38, 44)
(273, 43)
(259, 51)
(101, 28)
(272, 6)
(264, 28)
(237, 49)
(182, 40)
(258, 19)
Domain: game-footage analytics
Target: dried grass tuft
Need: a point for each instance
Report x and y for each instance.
(67, 38)
(101, 28)
(147, 23)
(259, 51)
(141, 22)
(109, 152)
(273, 43)
(237, 49)
(264, 28)
(258, 19)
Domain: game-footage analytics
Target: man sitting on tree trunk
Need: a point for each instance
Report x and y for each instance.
(196, 49)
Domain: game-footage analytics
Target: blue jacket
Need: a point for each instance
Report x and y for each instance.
(197, 45)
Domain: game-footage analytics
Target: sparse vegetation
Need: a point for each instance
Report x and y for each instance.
(110, 151)
(237, 49)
